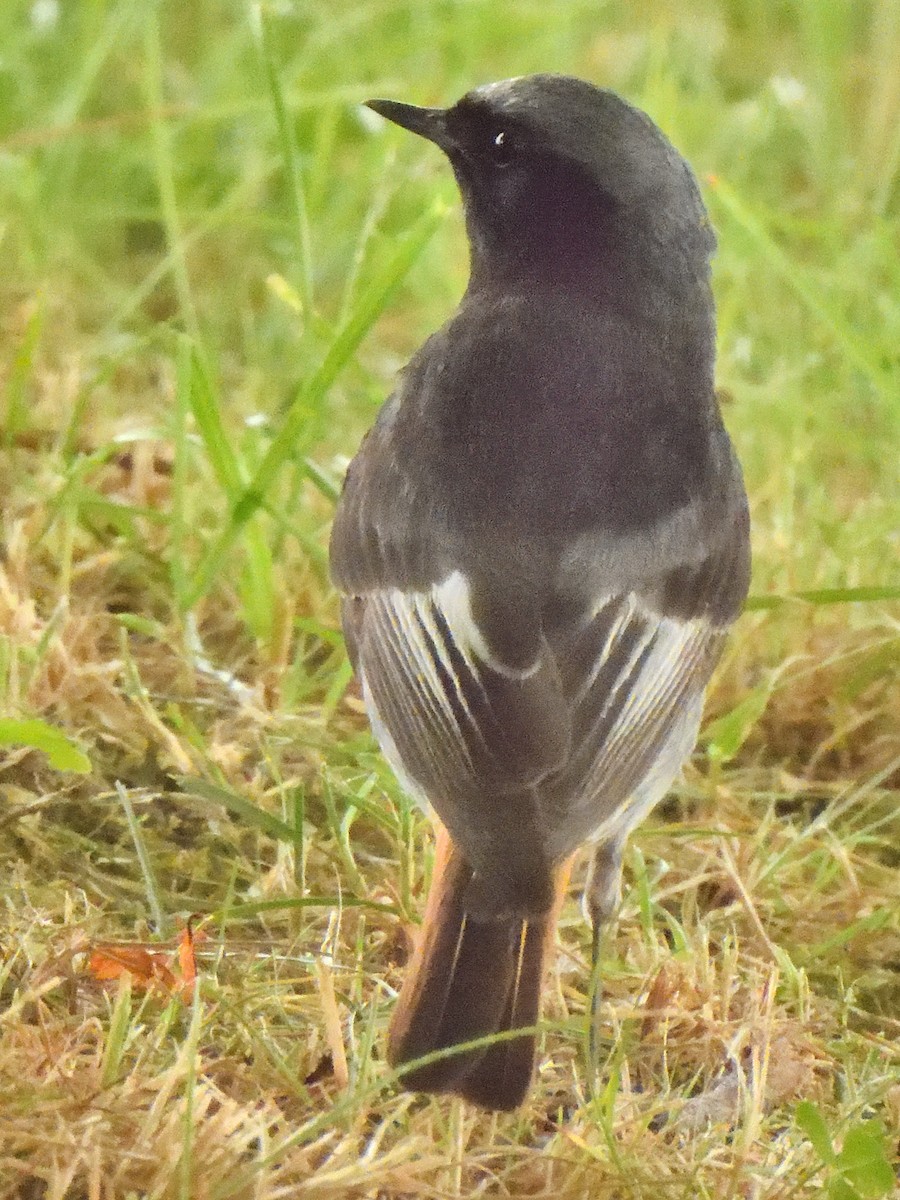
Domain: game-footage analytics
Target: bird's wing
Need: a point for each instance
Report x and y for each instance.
(461, 717)
(634, 667)
(465, 732)
(465, 712)
(631, 677)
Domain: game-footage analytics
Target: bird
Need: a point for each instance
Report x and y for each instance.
(540, 547)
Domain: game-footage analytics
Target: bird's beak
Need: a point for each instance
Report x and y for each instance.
(430, 123)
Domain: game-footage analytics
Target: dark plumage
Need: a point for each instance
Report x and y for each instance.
(541, 544)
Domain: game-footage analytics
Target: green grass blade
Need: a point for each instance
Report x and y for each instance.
(291, 155)
(248, 812)
(824, 596)
(62, 753)
(165, 170)
(284, 445)
(21, 371)
(151, 884)
(117, 1033)
(207, 413)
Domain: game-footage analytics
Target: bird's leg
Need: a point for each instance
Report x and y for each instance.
(601, 901)
(602, 893)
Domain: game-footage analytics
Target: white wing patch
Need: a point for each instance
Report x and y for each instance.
(453, 598)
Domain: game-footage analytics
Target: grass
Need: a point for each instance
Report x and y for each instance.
(214, 263)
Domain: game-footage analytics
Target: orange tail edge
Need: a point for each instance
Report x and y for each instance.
(470, 979)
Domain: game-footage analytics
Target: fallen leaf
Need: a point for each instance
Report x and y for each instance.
(659, 997)
(187, 959)
(144, 967)
(110, 961)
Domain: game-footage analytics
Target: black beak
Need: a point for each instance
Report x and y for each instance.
(430, 123)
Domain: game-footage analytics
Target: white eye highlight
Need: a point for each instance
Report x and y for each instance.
(503, 148)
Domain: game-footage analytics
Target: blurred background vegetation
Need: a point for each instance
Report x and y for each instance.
(212, 263)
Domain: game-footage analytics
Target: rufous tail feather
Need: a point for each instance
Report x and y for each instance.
(469, 979)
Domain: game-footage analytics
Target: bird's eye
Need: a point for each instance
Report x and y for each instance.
(502, 148)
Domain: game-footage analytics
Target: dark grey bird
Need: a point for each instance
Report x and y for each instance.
(540, 546)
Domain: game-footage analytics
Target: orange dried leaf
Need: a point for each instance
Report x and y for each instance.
(187, 960)
(110, 962)
(659, 997)
(113, 961)
(162, 973)
(149, 967)
(145, 968)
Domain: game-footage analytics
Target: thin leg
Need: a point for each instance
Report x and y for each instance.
(603, 891)
(601, 900)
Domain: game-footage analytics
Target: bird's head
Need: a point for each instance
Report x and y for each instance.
(563, 181)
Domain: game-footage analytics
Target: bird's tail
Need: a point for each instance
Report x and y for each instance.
(469, 979)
